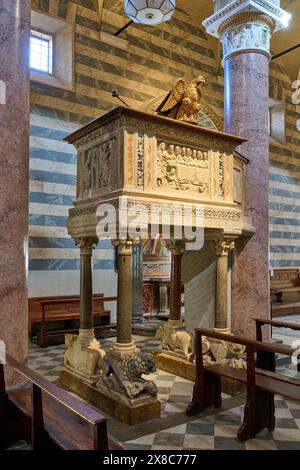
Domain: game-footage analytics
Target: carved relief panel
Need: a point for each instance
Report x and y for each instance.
(182, 168)
(99, 167)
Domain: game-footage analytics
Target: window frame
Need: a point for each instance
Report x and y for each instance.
(52, 42)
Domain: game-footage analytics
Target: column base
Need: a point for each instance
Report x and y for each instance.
(85, 337)
(225, 331)
(123, 349)
(175, 324)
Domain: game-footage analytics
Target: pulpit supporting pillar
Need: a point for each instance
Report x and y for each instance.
(222, 248)
(83, 356)
(86, 331)
(176, 249)
(124, 307)
(176, 343)
(137, 284)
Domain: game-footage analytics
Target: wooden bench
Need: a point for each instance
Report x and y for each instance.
(285, 292)
(45, 310)
(261, 384)
(48, 416)
(278, 324)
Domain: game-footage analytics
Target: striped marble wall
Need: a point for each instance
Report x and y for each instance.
(284, 180)
(142, 65)
(140, 74)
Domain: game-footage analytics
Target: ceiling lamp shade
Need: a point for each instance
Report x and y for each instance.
(150, 12)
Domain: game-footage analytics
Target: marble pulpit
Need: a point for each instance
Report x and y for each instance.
(160, 165)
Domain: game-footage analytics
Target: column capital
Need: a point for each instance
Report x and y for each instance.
(223, 246)
(176, 247)
(124, 246)
(246, 25)
(86, 244)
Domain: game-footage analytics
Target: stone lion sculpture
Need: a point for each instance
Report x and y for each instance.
(126, 375)
(87, 362)
(180, 342)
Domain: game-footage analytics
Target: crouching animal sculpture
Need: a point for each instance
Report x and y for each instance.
(125, 376)
(87, 361)
(180, 341)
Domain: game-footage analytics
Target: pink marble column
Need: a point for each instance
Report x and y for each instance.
(14, 185)
(246, 114)
(245, 30)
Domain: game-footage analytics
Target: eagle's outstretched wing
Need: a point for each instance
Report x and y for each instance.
(173, 98)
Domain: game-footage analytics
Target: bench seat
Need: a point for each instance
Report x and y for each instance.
(51, 417)
(285, 291)
(73, 435)
(47, 312)
(262, 381)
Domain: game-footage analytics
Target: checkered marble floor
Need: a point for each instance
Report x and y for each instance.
(219, 430)
(212, 431)
(173, 391)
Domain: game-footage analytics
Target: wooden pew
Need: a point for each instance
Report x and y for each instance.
(285, 291)
(67, 309)
(278, 324)
(47, 416)
(261, 384)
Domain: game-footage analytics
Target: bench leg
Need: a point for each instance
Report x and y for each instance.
(43, 337)
(205, 394)
(266, 360)
(100, 437)
(259, 414)
(39, 435)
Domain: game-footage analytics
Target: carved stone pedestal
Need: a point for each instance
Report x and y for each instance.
(174, 364)
(139, 410)
(83, 356)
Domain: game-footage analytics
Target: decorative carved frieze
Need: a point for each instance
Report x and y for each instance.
(140, 161)
(182, 168)
(246, 37)
(98, 165)
(208, 213)
(221, 175)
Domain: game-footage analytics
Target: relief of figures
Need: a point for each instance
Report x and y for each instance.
(182, 168)
(98, 165)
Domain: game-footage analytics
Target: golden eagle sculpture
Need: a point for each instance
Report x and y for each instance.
(183, 101)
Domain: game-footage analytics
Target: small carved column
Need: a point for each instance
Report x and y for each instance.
(86, 332)
(222, 248)
(176, 249)
(137, 283)
(124, 306)
(163, 298)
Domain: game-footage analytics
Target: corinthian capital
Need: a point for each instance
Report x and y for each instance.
(124, 246)
(246, 25)
(222, 246)
(86, 244)
(176, 247)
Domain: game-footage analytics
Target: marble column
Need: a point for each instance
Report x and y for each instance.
(137, 283)
(86, 331)
(163, 298)
(222, 249)
(245, 33)
(176, 249)
(124, 306)
(14, 180)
